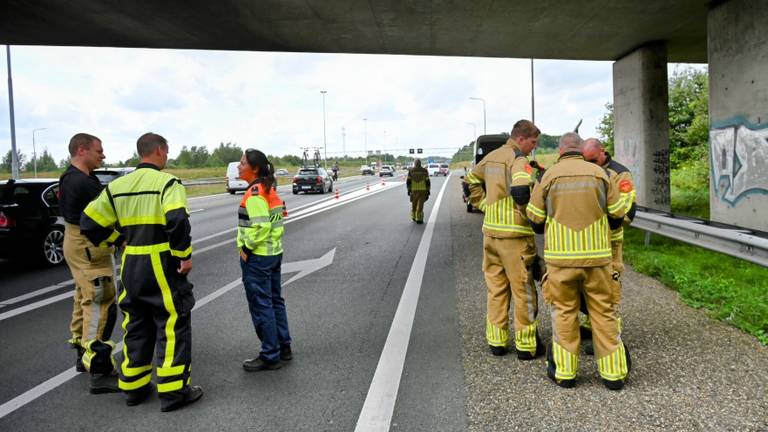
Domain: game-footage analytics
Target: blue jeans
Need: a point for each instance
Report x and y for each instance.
(261, 279)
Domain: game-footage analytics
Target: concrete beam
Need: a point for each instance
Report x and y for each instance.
(641, 122)
(738, 113)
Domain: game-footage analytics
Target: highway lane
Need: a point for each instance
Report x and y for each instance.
(340, 317)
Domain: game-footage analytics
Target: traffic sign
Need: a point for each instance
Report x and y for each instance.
(410, 151)
(419, 151)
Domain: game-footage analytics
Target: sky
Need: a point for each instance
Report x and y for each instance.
(272, 101)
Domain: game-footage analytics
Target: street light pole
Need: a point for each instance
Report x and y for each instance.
(325, 144)
(485, 128)
(14, 155)
(365, 123)
(34, 152)
(474, 129)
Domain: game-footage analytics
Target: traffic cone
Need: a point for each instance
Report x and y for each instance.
(366, 187)
(382, 182)
(337, 193)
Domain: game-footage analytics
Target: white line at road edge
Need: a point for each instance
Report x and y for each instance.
(52, 383)
(379, 405)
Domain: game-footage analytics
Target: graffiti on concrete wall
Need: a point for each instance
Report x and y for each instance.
(739, 157)
(660, 186)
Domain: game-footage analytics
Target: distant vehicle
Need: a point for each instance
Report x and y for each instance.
(234, 182)
(433, 169)
(386, 170)
(367, 170)
(106, 175)
(282, 172)
(30, 222)
(484, 144)
(312, 180)
(444, 170)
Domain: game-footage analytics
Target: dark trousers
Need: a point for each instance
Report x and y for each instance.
(261, 279)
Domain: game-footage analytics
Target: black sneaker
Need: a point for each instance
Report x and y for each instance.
(257, 364)
(527, 355)
(104, 383)
(614, 385)
(191, 395)
(285, 353)
(552, 372)
(136, 397)
(499, 351)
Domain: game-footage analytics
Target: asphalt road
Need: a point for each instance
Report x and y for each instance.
(360, 269)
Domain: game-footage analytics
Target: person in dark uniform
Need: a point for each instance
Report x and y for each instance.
(418, 186)
(150, 206)
(92, 267)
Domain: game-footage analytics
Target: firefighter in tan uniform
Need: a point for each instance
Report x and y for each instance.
(576, 205)
(500, 186)
(620, 175)
(94, 311)
(418, 186)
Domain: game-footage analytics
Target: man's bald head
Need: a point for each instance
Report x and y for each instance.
(594, 151)
(570, 142)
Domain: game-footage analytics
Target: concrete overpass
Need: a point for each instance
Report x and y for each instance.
(641, 37)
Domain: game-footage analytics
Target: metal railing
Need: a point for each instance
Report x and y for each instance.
(731, 240)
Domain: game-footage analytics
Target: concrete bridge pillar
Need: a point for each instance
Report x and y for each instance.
(738, 113)
(641, 122)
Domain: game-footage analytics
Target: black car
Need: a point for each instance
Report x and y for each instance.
(312, 180)
(484, 144)
(30, 223)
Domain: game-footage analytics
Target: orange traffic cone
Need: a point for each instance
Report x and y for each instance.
(382, 181)
(366, 187)
(337, 193)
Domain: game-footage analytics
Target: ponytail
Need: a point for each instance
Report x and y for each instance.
(258, 160)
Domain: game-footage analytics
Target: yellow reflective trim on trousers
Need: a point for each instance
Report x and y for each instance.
(566, 363)
(182, 254)
(146, 250)
(143, 220)
(133, 385)
(171, 386)
(525, 339)
(613, 367)
(170, 324)
(170, 371)
(496, 336)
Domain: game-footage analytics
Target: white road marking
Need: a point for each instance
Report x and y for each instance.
(36, 293)
(379, 404)
(303, 267)
(196, 210)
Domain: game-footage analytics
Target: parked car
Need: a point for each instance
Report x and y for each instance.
(30, 223)
(106, 175)
(444, 170)
(484, 144)
(312, 180)
(433, 169)
(282, 172)
(386, 170)
(366, 170)
(234, 182)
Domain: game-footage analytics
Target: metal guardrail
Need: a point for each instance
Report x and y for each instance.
(730, 240)
(202, 182)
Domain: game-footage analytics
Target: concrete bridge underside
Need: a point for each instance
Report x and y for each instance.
(641, 36)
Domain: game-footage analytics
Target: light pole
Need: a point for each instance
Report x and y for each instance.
(485, 128)
(365, 124)
(474, 129)
(14, 155)
(325, 144)
(34, 152)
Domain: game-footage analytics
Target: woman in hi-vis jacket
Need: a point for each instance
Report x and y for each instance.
(260, 241)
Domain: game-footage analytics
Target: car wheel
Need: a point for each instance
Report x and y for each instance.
(231, 192)
(322, 190)
(295, 192)
(53, 246)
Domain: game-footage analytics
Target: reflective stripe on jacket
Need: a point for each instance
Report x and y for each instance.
(148, 206)
(260, 222)
(418, 180)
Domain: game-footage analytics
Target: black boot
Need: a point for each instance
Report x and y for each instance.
(498, 351)
(552, 372)
(79, 366)
(527, 355)
(257, 364)
(189, 395)
(104, 383)
(136, 397)
(285, 353)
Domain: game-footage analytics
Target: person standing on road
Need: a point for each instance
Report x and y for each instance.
(260, 242)
(620, 175)
(150, 207)
(92, 267)
(418, 186)
(577, 205)
(500, 186)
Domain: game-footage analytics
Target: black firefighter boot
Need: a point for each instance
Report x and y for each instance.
(79, 366)
(102, 383)
(174, 400)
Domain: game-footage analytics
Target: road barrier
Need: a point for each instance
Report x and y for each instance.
(731, 240)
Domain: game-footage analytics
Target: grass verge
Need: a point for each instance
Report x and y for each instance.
(729, 289)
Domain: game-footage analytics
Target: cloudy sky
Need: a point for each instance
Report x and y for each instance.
(272, 101)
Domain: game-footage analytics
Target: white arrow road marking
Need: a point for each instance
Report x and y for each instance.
(379, 405)
(303, 267)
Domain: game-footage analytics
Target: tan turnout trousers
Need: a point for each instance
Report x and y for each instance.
(505, 264)
(561, 288)
(417, 205)
(93, 271)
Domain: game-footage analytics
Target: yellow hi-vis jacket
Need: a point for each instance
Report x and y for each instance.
(622, 178)
(578, 205)
(490, 185)
(418, 180)
(260, 222)
(148, 206)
